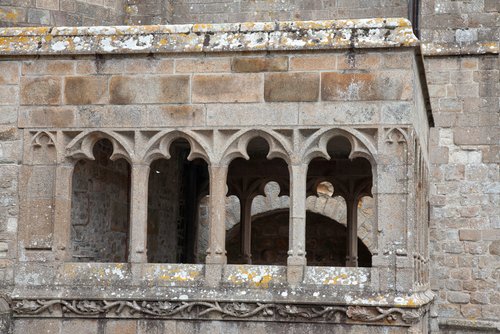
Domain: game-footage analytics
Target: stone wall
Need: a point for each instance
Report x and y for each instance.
(148, 12)
(62, 12)
(103, 326)
(10, 155)
(465, 200)
(460, 21)
(207, 11)
(116, 12)
(464, 146)
(208, 91)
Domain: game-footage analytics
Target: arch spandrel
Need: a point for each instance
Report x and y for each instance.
(82, 145)
(237, 145)
(316, 145)
(159, 146)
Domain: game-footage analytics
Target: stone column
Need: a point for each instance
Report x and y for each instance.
(246, 228)
(139, 213)
(296, 253)
(216, 252)
(352, 232)
(62, 214)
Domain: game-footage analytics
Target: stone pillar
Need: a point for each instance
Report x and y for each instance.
(352, 232)
(62, 221)
(139, 213)
(296, 253)
(216, 252)
(246, 228)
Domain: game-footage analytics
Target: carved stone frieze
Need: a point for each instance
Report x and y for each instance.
(224, 310)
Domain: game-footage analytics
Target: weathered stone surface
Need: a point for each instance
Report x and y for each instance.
(495, 247)
(85, 90)
(374, 86)
(476, 136)
(80, 326)
(35, 326)
(132, 65)
(313, 62)
(291, 87)
(361, 33)
(362, 61)
(9, 73)
(256, 114)
(339, 113)
(259, 64)
(40, 91)
(458, 297)
(48, 67)
(202, 65)
(160, 89)
(227, 88)
(463, 151)
(183, 115)
(9, 95)
(470, 235)
(47, 117)
(111, 116)
(121, 326)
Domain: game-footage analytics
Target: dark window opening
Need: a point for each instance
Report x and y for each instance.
(176, 187)
(247, 179)
(100, 207)
(350, 178)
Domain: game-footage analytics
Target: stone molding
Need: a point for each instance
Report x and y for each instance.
(470, 325)
(248, 36)
(211, 310)
(456, 49)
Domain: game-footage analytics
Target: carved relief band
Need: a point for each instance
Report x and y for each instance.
(210, 310)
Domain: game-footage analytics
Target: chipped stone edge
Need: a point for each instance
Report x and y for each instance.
(455, 49)
(248, 36)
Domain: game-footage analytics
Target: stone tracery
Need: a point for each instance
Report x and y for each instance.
(143, 148)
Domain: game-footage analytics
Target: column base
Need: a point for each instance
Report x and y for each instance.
(295, 269)
(139, 257)
(213, 274)
(216, 259)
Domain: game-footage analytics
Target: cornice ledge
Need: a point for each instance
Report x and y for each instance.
(466, 324)
(457, 49)
(248, 36)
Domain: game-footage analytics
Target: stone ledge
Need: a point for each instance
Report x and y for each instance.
(455, 49)
(472, 325)
(249, 36)
(250, 283)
